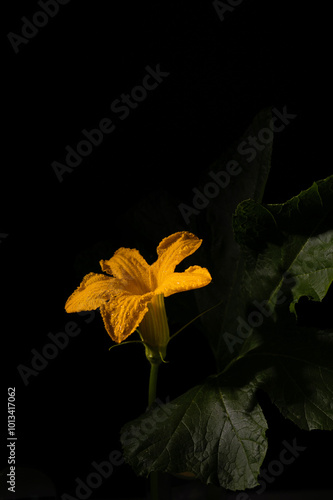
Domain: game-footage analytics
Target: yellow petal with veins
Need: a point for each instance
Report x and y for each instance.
(171, 251)
(127, 264)
(194, 277)
(123, 314)
(93, 291)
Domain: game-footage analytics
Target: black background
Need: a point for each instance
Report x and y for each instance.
(221, 73)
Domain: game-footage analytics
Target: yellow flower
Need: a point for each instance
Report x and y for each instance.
(134, 291)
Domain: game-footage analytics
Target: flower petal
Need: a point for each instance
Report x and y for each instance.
(193, 277)
(171, 251)
(128, 264)
(123, 314)
(93, 291)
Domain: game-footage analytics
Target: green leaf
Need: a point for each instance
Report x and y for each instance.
(310, 216)
(215, 431)
(293, 239)
(313, 269)
(286, 253)
(299, 377)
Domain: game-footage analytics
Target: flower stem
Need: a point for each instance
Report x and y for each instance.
(151, 398)
(152, 383)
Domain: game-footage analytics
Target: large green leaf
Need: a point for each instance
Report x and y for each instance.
(287, 253)
(313, 269)
(299, 377)
(215, 431)
(310, 216)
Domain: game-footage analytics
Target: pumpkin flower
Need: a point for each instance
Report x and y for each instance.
(132, 292)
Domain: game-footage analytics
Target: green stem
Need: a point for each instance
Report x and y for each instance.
(151, 398)
(152, 383)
